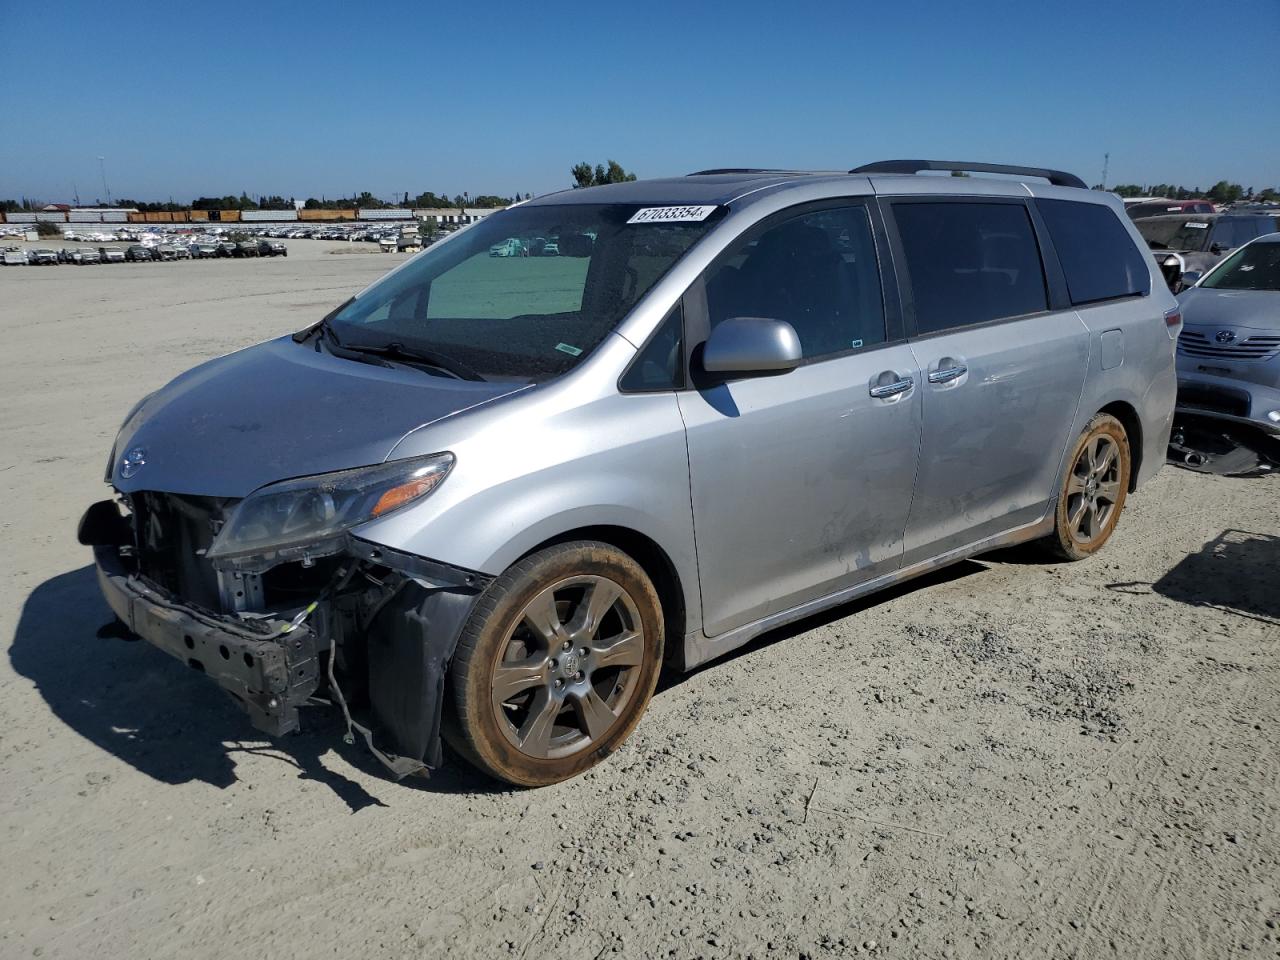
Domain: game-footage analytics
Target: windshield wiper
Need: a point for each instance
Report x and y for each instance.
(415, 356)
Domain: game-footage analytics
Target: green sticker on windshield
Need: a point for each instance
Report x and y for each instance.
(571, 351)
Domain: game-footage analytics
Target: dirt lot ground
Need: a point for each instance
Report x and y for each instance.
(1008, 760)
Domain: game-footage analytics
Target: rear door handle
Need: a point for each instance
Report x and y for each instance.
(884, 390)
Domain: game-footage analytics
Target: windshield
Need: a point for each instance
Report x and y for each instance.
(526, 293)
(1174, 234)
(1255, 267)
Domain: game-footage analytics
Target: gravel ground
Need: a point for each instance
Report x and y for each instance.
(1007, 759)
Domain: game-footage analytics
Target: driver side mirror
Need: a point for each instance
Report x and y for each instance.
(751, 345)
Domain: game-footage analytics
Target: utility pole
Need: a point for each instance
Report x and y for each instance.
(1106, 162)
(102, 168)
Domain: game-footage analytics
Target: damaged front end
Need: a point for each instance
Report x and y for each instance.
(284, 625)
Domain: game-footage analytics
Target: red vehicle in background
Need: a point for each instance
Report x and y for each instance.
(1156, 208)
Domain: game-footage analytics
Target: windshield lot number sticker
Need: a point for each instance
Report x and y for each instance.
(570, 350)
(1196, 226)
(671, 215)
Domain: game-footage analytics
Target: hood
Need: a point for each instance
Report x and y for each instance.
(1247, 309)
(280, 410)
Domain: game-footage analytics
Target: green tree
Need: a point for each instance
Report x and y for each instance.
(584, 175)
(1223, 192)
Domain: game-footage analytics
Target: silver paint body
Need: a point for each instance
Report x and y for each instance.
(773, 497)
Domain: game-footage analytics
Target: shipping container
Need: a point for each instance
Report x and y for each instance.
(326, 214)
(268, 215)
(391, 214)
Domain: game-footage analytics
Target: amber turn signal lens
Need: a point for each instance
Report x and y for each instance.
(400, 495)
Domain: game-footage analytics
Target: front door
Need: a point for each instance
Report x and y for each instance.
(801, 482)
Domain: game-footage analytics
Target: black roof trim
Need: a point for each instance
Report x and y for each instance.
(723, 170)
(1057, 177)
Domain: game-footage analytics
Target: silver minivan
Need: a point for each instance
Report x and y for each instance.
(490, 497)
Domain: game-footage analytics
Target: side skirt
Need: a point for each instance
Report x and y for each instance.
(700, 649)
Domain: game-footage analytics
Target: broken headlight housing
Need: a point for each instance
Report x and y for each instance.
(308, 516)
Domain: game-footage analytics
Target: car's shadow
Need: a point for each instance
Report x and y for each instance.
(164, 719)
(1237, 571)
(170, 723)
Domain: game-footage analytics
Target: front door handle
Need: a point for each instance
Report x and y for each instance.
(948, 369)
(885, 390)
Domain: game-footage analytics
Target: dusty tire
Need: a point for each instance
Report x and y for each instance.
(527, 708)
(1093, 490)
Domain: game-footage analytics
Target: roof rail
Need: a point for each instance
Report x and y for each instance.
(1057, 177)
(716, 170)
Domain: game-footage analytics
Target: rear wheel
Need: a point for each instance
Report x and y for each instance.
(557, 663)
(1093, 490)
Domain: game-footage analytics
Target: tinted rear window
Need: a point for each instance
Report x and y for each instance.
(1100, 260)
(970, 262)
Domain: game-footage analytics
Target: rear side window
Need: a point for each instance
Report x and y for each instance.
(1100, 260)
(1236, 232)
(970, 262)
(817, 271)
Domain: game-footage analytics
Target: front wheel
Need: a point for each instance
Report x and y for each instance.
(1093, 490)
(557, 663)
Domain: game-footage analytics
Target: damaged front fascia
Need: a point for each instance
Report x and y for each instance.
(409, 610)
(410, 622)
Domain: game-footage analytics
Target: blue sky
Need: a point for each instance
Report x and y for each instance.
(328, 98)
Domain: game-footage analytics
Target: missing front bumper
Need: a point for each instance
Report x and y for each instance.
(269, 674)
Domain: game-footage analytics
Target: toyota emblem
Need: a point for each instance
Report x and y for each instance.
(1225, 336)
(132, 462)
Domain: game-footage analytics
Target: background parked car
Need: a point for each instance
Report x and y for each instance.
(111, 254)
(14, 258)
(43, 256)
(1156, 208)
(1201, 240)
(245, 248)
(138, 253)
(86, 255)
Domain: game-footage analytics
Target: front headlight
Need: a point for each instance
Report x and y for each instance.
(300, 516)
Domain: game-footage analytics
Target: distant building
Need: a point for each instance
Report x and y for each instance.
(459, 216)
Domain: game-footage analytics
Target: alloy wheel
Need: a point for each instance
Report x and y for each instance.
(569, 667)
(1093, 489)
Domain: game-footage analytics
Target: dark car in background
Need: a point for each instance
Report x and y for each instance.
(245, 248)
(1201, 240)
(1157, 208)
(138, 253)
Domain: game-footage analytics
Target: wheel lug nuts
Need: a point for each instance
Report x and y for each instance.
(554, 664)
(578, 675)
(566, 645)
(585, 652)
(559, 684)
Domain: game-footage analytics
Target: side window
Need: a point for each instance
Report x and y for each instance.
(1238, 232)
(970, 262)
(1100, 260)
(659, 365)
(818, 272)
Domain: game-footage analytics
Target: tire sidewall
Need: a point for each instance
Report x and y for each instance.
(485, 639)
